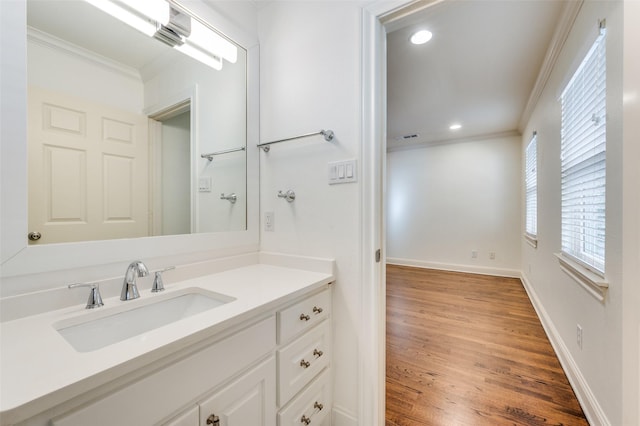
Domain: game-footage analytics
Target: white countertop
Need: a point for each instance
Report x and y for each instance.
(40, 369)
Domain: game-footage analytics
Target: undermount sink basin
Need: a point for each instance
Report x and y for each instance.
(114, 327)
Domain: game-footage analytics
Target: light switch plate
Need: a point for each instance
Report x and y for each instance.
(343, 172)
(204, 184)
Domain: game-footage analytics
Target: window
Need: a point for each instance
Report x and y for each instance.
(531, 189)
(583, 158)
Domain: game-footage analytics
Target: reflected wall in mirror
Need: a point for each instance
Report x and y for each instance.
(118, 122)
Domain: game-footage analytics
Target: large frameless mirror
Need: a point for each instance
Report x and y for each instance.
(137, 122)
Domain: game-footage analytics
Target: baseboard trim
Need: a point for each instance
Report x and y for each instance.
(341, 418)
(471, 269)
(592, 409)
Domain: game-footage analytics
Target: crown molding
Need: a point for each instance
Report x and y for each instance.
(563, 28)
(473, 138)
(52, 42)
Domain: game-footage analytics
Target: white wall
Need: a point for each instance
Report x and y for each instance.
(175, 177)
(447, 200)
(310, 80)
(63, 68)
(595, 370)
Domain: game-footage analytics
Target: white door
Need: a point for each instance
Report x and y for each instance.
(249, 400)
(88, 169)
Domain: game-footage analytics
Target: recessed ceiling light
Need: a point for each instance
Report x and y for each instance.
(421, 37)
(455, 126)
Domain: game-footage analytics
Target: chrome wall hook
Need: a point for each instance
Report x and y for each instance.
(232, 198)
(289, 195)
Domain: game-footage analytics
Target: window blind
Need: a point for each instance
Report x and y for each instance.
(531, 187)
(583, 160)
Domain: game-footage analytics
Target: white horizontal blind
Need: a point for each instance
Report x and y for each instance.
(583, 151)
(531, 187)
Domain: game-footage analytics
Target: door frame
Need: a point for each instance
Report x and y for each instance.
(164, 109)
(372, 334)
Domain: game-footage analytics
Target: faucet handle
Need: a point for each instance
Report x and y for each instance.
(95, 299)
(158, 285)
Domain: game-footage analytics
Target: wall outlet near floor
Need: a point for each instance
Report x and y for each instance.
(579, 335)
(492, 255)
(269, 219)
(474, 254)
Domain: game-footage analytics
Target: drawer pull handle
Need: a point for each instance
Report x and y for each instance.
(304, 364)
(317, 353)
(213, 420)
(318, 406)
(317, 310)
(306, 420)
(304, 317)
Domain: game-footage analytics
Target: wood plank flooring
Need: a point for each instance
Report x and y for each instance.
(469, 350)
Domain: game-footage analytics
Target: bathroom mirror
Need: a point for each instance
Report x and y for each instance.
(118, 124)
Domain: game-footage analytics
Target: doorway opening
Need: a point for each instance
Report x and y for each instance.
(454, 138)
(171, 192)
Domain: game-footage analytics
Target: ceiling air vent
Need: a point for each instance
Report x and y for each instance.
(409, 137)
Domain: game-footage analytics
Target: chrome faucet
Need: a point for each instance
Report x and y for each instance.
(129, 287)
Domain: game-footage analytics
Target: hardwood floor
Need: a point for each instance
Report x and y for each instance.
(469, 350)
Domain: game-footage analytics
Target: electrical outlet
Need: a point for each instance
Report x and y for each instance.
(269, 221)
(492, 255)
(474, 254)
(579, 335)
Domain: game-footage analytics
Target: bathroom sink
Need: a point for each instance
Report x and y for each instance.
(114, 327)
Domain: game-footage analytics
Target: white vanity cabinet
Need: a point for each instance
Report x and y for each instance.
(268, 369)
(189, 417)
(304, 357)
(248, 400)
(155, 397)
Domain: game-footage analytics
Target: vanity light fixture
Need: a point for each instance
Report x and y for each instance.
(204, 39)
(421, 37)
(139, 14)
(200, 55)
(158, 19)
(455, 126)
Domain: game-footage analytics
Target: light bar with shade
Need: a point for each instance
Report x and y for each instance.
(156, 18)
(211, 42)
(143, 15)
(199, 55)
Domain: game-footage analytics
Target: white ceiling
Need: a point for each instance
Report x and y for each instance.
(478, 70)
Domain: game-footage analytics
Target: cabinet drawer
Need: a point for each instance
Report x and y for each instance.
(154, 397)
(303, 315)
(302, 360)
(312, 407)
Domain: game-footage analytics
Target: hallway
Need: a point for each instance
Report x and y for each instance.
(467, 349)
